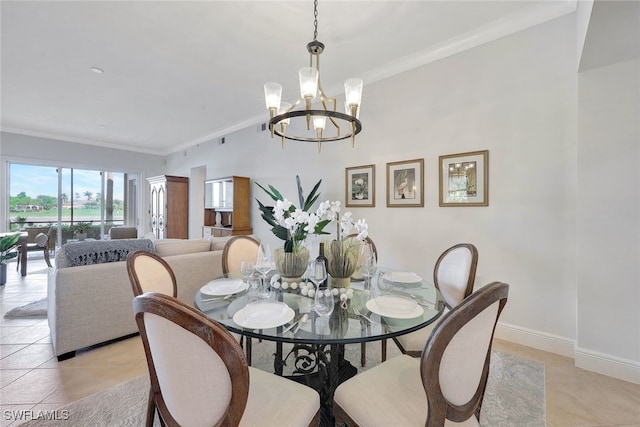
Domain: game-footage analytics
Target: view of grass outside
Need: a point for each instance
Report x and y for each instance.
(85, 197)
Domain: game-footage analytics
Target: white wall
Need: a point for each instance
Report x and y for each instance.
(608, 220)
(515, 97)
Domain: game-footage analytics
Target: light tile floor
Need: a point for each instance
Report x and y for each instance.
(32, 379)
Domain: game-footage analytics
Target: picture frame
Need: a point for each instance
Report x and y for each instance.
(405, 184)
(464, 179)
(360, 186)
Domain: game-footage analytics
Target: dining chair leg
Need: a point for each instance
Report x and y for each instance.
(151, 409)
(46, 257)
(248, 350)
(383, 350)
(363, 354)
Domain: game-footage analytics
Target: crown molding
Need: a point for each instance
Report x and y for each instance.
(79, 140)
(514, 23)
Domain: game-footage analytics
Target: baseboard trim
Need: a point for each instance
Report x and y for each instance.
(542, 341)
(605, 364)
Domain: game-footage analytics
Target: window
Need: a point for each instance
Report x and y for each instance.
(98, 197)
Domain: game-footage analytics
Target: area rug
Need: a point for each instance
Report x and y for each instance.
(514, 397)
(33, 309)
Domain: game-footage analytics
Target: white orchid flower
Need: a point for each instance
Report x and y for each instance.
(363, 229)
(312, 220)
(290, 224)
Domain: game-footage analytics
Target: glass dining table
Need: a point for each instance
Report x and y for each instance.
(318, 342)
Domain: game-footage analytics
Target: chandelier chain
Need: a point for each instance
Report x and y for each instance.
(315, 20)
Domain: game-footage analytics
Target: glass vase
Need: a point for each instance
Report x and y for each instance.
(292, 265)
(342, 261)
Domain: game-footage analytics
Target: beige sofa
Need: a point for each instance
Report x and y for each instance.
(91, 304)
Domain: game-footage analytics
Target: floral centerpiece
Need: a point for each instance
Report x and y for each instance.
(293, 225)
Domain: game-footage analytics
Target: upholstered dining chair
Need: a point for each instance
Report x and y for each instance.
(40, 243)
(454, 275)
(122, 232)
(236, 250)
(148, 272)
(445, 387)
(199, 376)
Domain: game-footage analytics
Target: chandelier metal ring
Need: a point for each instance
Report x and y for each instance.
(356, 124)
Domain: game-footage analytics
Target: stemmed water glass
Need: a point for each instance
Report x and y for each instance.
(264, 263)
(323, 300)
(384, 282)
(368, 263)
(247, 268)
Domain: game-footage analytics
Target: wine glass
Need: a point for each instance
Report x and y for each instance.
(367, 263)
(384, 282)
(247, 269)
(264, 263)
(323, 299)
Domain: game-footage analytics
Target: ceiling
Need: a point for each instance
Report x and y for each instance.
(178, 73)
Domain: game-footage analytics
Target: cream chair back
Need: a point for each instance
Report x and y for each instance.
(455, 362)
(199, 376)
(148, 272)
(455, 273)
(238, 249)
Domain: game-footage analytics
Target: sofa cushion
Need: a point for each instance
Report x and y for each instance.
(217, 243)
(169, 247)
(100, 251)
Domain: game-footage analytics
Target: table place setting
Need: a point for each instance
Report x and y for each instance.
(224, 287)
(395, 306)
(263, 315)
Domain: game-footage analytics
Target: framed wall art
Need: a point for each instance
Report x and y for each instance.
(464, 179)
(360, 186)
(405, 184)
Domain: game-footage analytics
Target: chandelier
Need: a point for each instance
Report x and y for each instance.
(342, 125)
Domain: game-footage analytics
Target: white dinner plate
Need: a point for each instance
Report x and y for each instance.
(220, 287)
(404, 277)
(263, 315)
(395, 306)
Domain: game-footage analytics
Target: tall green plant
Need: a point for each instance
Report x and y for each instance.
(7, 246)
(285, 213)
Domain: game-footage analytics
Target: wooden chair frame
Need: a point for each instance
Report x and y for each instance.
(228, 248)
(133, 274)
(138, 290)
(32, 247)
(439, 408)
(468, 288)
(214, 335)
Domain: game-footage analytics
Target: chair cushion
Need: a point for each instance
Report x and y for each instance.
(41, 240)
(217, 243)
(169, 247)
(390, 394)
(277, 401)
(415, 341)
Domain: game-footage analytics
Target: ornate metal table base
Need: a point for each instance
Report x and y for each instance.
(321, 367)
